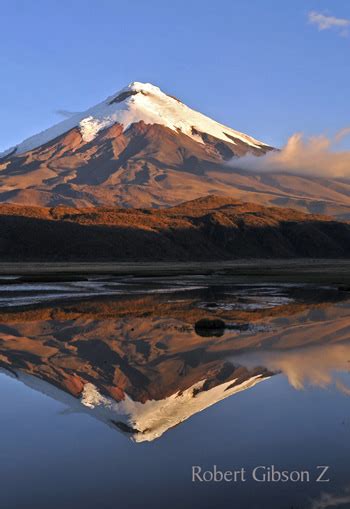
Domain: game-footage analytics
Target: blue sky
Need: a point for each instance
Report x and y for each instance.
(259, 66)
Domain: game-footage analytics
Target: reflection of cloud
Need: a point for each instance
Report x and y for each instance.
(311, 365)
(342, 133)
(324, 22)
(327, 500)
(313, 156)
(342, 387)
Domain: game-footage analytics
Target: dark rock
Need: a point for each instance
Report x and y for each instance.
(206, 327)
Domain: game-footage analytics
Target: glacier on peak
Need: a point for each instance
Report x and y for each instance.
(134, 103)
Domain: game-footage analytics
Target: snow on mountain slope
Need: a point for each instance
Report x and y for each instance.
(143, 422)
(134, 103)
(150, 420)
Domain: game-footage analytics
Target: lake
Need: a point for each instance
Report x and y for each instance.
(131, 391)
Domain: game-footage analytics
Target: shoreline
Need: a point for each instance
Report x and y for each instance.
(321, 270)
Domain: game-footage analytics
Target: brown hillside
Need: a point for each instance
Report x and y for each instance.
(209, 228)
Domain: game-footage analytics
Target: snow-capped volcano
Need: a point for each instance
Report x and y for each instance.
(141, 147)
(134, 103)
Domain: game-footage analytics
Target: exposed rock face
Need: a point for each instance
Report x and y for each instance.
(210, 228)
(145, 165)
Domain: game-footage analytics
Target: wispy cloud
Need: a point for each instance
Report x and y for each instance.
(324, 22)
(65, 113)
(313, 156)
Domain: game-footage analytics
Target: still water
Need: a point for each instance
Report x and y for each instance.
(111, 393)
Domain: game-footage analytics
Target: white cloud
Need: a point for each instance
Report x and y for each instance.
(324, 22)
(313, 156)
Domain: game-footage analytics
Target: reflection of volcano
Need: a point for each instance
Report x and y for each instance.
(140, 366)
(142, 376)
(142, 421)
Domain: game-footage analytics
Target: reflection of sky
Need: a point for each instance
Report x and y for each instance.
(69, 460)
(328, 500)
